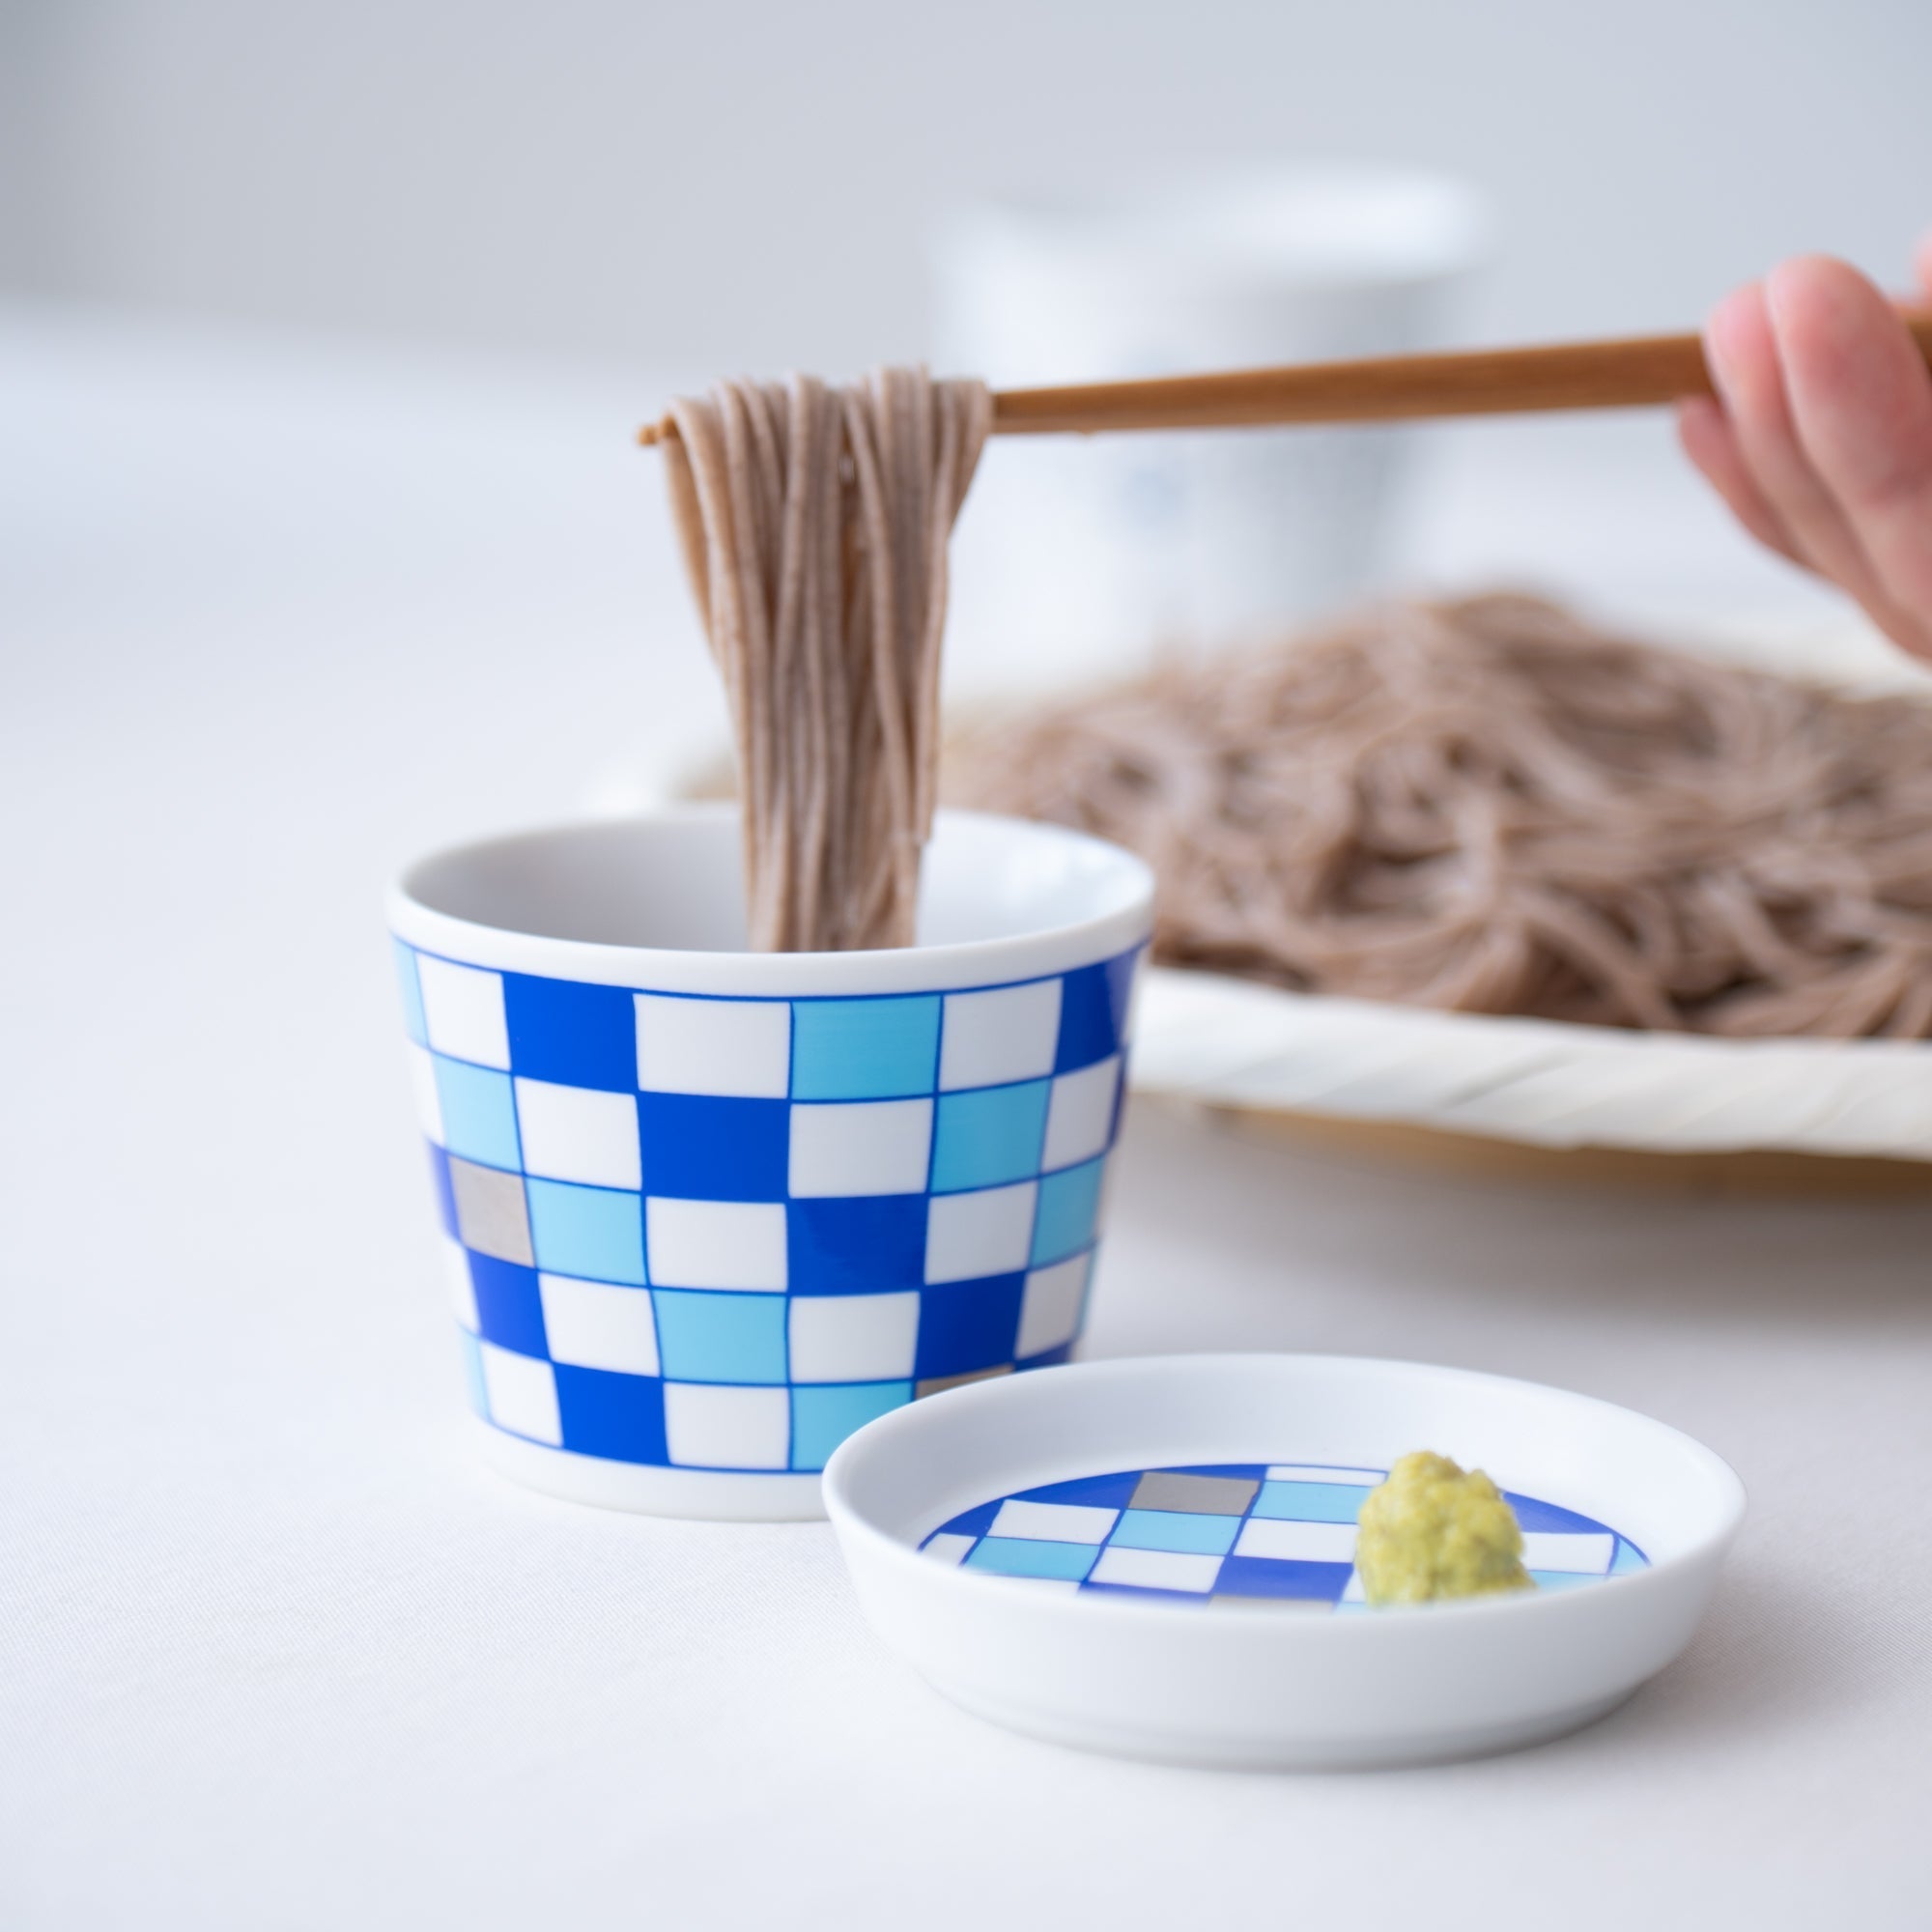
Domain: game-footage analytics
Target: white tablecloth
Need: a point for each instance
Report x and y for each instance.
(275, 1653)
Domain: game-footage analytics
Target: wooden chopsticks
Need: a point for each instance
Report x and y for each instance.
(1612, 375)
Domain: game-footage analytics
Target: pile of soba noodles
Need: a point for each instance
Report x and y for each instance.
(1491, 806)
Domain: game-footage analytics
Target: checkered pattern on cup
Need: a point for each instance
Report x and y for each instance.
(715, 1233)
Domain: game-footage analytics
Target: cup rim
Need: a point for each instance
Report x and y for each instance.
(1004, 959)
(1128, 231)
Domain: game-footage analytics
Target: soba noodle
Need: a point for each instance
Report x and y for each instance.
(813, 520)
(1487, 806)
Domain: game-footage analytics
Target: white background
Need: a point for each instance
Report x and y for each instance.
(274, 1651)
(275, 616)
(745, 183)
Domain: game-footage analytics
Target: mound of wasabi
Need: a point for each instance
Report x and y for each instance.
(1435, 1530)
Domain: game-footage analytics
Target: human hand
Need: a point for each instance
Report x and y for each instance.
(1819, 438)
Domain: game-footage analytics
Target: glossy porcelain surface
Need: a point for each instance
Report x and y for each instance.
(706, 1212)
(1173, 1516)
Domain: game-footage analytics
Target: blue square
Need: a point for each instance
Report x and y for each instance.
(597, 1232)
(509, 1310)
(824, 1413)
(989, 1136)
(1146, 1593)
(706, 1147)
(1023, 1556)
(1069, 1201)
(865, 1049)
(1047, 1358)
(445, 1192)
(974, 1521)
(1311, 1502)
(1180, 1530)
(857, 1246)
(479, 1113)
(721, 1337)
(1093, 1011)
(620, 1417)
(472, 1374)
(1276, 1577)
(410, 987)
(1532, 1515)
(575, 1034)
(1113, 1493)
(968, 1325)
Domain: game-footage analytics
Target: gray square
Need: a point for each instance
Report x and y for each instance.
(489, 1212)
(937, 1384)
(1196, 1495)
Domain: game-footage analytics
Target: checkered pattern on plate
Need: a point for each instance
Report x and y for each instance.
(1242, 1533)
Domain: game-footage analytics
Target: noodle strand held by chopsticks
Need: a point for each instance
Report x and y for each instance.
(814, 521)
(1490, 806)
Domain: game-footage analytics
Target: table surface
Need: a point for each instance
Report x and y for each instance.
(274, 1652)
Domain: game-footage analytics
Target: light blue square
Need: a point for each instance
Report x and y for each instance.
(1176, 1529)
(1069, 1201)
(721, 1337)
(479, 1113)
(1022, 1556)
(989, 1136)
(596, 1232)
(824, 1414)
(1562, 1580)
(410, 987)
(1311, 1502)
(1628, 1557)
(864, 1049)
(472, 1373)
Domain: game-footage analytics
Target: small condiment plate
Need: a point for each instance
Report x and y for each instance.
(1184, 1589)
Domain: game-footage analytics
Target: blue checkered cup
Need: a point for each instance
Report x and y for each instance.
(707, 1210)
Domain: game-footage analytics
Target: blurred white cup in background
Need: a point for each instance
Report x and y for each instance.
(1078, 553)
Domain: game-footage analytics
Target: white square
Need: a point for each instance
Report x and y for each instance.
(462, 1011)
(595, 1325)
(462, 1284)
(949, 1549)
(1155, 1570)
(867, 1147)
(1588, 1555)
(1297, 1541)
(1050, 1313)
(714, 1046)
(1080, 1114)
(1316, 1472)
(522, 1393)
(986, 1232)
(422, 1084)
(1010, 1033)
(1054, 1522)
(854, 1338)
(716, 1243)
(578, 1133)
(709, 1426)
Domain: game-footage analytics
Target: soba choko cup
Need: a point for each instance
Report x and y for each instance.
(708, 1211)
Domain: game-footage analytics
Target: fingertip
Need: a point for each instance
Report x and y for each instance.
(1701, 429)
(1738, 342)
(1921, 262)
(1818, 295)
